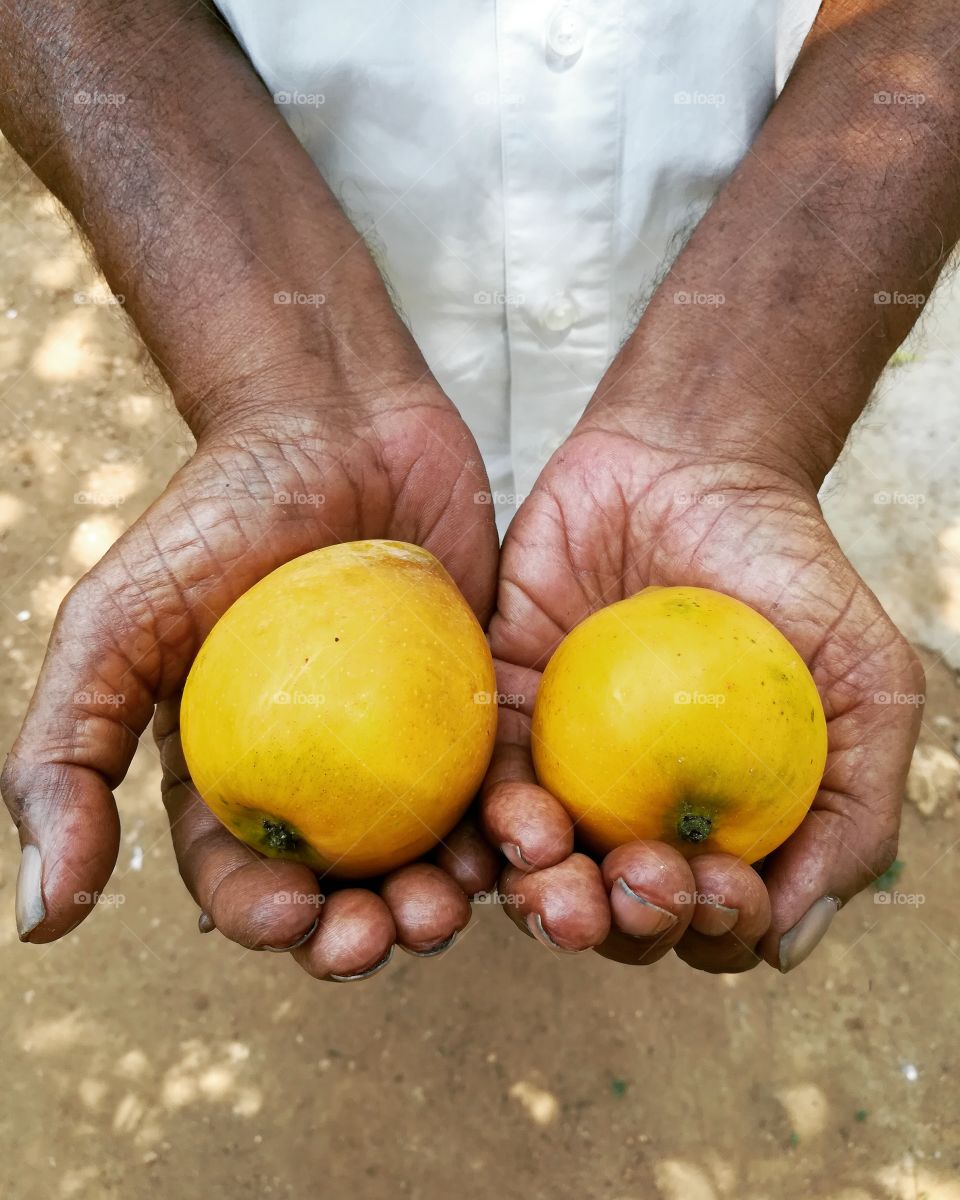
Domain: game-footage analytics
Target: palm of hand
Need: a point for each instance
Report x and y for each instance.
(249, 500)
(606, 519)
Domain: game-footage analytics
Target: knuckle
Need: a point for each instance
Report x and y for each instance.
(905, 667)
(914, 671)
(10, 787)
(78, 605)
(884, 853)
(88, 613)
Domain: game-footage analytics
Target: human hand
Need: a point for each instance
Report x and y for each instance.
(262, 488)
(608, 517)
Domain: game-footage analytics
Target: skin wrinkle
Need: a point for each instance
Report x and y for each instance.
(300, 408)
(884, 850)
(744, 419)
(74, 748)
(602, 592)
(510, 590)
(87, 597)
(684, 536)
(156, 611)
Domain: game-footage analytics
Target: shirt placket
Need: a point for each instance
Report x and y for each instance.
(560, 98)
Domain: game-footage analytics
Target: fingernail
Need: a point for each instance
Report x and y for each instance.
(535, 925)
(649, 919)
(713, 919)
(365, 974)
(798, 943)
(514, 855)
(293, 945)
(206, 923)
(435, 950)
(30, 908)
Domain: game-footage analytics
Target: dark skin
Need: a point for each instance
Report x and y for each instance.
(747, 404)
(194, 190)
(201, 205)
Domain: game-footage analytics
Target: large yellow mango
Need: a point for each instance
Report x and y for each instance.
(342, 712)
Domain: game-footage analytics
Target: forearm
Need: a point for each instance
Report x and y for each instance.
(152, 128)
(772, 328)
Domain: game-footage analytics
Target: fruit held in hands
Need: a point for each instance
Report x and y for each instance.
(342, 712)
(680, 715)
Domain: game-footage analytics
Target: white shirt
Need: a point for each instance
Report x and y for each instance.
(522, 171)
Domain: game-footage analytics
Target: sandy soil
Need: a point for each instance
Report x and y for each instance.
(141, 1059)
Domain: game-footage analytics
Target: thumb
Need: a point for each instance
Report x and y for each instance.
(77, 740)
(832, 856)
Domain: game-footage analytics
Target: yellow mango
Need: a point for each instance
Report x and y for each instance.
(684, 716)
(342, 712)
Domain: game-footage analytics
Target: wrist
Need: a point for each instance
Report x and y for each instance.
(291, 399)
(305, 345)
(698, 394)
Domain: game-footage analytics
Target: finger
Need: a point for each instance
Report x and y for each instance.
(650, 886)
(565, 906)
(76, 743)
(123, 637)
(731, 914)
(850, 835)
(355, 938)
(468, 858)
(428, 908)
(532, 829)
(517, 686)
(834, 854)
(260, 903)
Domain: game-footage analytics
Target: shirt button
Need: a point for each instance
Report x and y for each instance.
(559, 313)
(566, 32)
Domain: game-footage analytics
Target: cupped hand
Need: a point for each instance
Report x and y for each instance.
(608, 517)
(258, 492)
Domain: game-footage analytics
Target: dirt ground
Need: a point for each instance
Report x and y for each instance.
(141, 1059)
